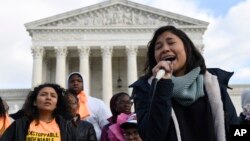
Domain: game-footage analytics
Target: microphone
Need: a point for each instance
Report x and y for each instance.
(162, 72)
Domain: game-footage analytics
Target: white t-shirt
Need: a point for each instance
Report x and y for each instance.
(99, 113)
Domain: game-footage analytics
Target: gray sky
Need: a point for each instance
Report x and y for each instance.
(226, 40)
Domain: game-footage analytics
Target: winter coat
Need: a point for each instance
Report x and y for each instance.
(84, 130)
(161, 124)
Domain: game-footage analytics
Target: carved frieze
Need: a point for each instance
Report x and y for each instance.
(57, 37)
(116, 15)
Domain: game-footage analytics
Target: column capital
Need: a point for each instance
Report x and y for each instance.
(131, 50)
(37, 51)
(61, 51)
(83, 50)
(106, 50)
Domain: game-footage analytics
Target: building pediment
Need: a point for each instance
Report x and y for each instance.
(115, 14)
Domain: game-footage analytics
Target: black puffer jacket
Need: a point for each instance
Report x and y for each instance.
(18, 130)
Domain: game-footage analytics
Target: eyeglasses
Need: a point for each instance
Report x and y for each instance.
(127, 134)
(72, 102)
(125, 102)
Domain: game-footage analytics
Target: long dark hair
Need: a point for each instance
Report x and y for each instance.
(194, 57)
(70, 116)
(32, 112)
(2, 108)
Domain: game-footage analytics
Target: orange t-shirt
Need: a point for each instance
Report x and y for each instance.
(43, 131)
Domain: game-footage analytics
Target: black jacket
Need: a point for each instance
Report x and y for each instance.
(242, 119)
(18, 130)
(84, 130)
(158, 123)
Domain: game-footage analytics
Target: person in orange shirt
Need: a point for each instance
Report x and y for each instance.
(4, 117)
(42, 118)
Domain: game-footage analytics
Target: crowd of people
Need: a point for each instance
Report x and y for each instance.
(52, 113)
(177, 99)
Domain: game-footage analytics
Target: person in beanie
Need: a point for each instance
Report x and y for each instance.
(91, 109)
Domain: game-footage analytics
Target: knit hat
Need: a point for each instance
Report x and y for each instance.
(131, 121)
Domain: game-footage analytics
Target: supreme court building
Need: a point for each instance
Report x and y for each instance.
(105, 42)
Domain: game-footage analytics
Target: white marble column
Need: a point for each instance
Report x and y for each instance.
(61, 53)
(84, 66)
(107, 86)
(131, 51)
(38, 53)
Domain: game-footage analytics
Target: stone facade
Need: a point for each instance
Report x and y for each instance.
(105, 42)
(235, 95)
(95, 40)
(14, 97)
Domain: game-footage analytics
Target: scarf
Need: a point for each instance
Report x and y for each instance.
(83, 110)
(214, 96)
(188, 88)
(213, 90)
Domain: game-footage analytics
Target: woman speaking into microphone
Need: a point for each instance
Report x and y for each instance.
(187, 101)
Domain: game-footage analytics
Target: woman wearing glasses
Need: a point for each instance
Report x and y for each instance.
(120, 106)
